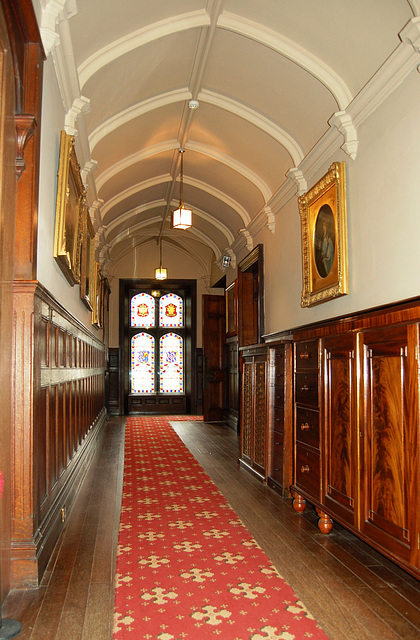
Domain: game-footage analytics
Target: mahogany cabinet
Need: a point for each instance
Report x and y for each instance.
(254, 414)
(280, 423)
(266, 413)
(356, 432)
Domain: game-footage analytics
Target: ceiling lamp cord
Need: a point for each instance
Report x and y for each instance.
(182, 217)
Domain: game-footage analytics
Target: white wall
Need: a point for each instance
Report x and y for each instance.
(383, 209)
(48, 272)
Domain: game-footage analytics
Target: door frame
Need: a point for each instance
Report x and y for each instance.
(148, 284)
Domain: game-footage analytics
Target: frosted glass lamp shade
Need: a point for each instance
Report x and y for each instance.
(161, 273)
(182, 218)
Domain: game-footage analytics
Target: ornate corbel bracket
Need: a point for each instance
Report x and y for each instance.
(344, 124)
(52, 11)
(79, 106)
(296, 175)
(89, 167)
(271, 221)
(410, 34)
(25, 129)
(248, 238)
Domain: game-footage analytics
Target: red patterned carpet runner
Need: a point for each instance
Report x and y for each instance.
(187, 568)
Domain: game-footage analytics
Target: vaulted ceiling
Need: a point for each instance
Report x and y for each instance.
(268, 75)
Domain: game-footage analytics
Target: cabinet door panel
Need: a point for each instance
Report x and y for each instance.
(260, 418)
(390, 444)
(246, 426)
(340, 427)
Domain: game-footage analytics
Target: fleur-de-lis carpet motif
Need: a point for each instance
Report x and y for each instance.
(187, 568)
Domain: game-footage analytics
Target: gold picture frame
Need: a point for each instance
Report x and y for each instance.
(87, 261)
(98, 296)
(323, 214)
(70, 206)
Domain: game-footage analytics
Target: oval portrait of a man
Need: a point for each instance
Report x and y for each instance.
(324, 240)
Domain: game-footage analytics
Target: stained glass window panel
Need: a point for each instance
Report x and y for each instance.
(171, 364)
(142, 363)
(142, 310)
(171, 311)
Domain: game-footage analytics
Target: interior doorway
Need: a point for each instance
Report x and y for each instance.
(158, 346)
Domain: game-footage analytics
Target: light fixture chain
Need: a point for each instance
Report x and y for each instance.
(181, 185)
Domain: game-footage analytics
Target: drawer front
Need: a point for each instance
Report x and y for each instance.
(306, 391)
(278, 419)
(277, 444)
(306, 355)
(307, 472)
(307, 427)
(278, 396)
(277, 469)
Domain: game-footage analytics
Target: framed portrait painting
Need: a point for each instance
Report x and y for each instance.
(323, 214)
(71, 202)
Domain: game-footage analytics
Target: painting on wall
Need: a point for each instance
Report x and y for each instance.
(70, 207)
(97, 296)
(323, 214)
(87, 261)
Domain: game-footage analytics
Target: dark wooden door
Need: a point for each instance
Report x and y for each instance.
(214, 331)
(156, 401)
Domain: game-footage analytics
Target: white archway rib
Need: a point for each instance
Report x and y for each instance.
(174, 24)
(133, 213)
(122, 118)
(259, 121)
(233, 164)
(294, 52)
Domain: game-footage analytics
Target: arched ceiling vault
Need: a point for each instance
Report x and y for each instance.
(274, 81)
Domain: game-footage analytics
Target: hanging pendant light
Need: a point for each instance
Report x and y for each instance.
(182, 217)
(161, 273)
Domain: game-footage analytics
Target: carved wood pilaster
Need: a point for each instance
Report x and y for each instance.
(23, 547)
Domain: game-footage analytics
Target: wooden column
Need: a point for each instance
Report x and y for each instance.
(27, 61)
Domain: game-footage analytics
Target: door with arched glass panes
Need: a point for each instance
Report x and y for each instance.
(157, 380)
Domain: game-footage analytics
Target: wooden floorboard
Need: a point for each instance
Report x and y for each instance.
(352, 590)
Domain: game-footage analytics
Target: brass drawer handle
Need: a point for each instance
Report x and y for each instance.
(305, 388)
(305, 469)
(305, 427)
(305, 355)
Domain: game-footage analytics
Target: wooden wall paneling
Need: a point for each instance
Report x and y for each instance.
(41, 451)
(68, 411)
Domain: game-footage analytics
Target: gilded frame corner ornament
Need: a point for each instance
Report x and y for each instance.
(323, 212)
(70, 208)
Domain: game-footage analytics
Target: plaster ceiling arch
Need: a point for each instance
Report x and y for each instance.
(280, 87)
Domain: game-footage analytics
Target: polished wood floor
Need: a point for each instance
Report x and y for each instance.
(354, 592)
